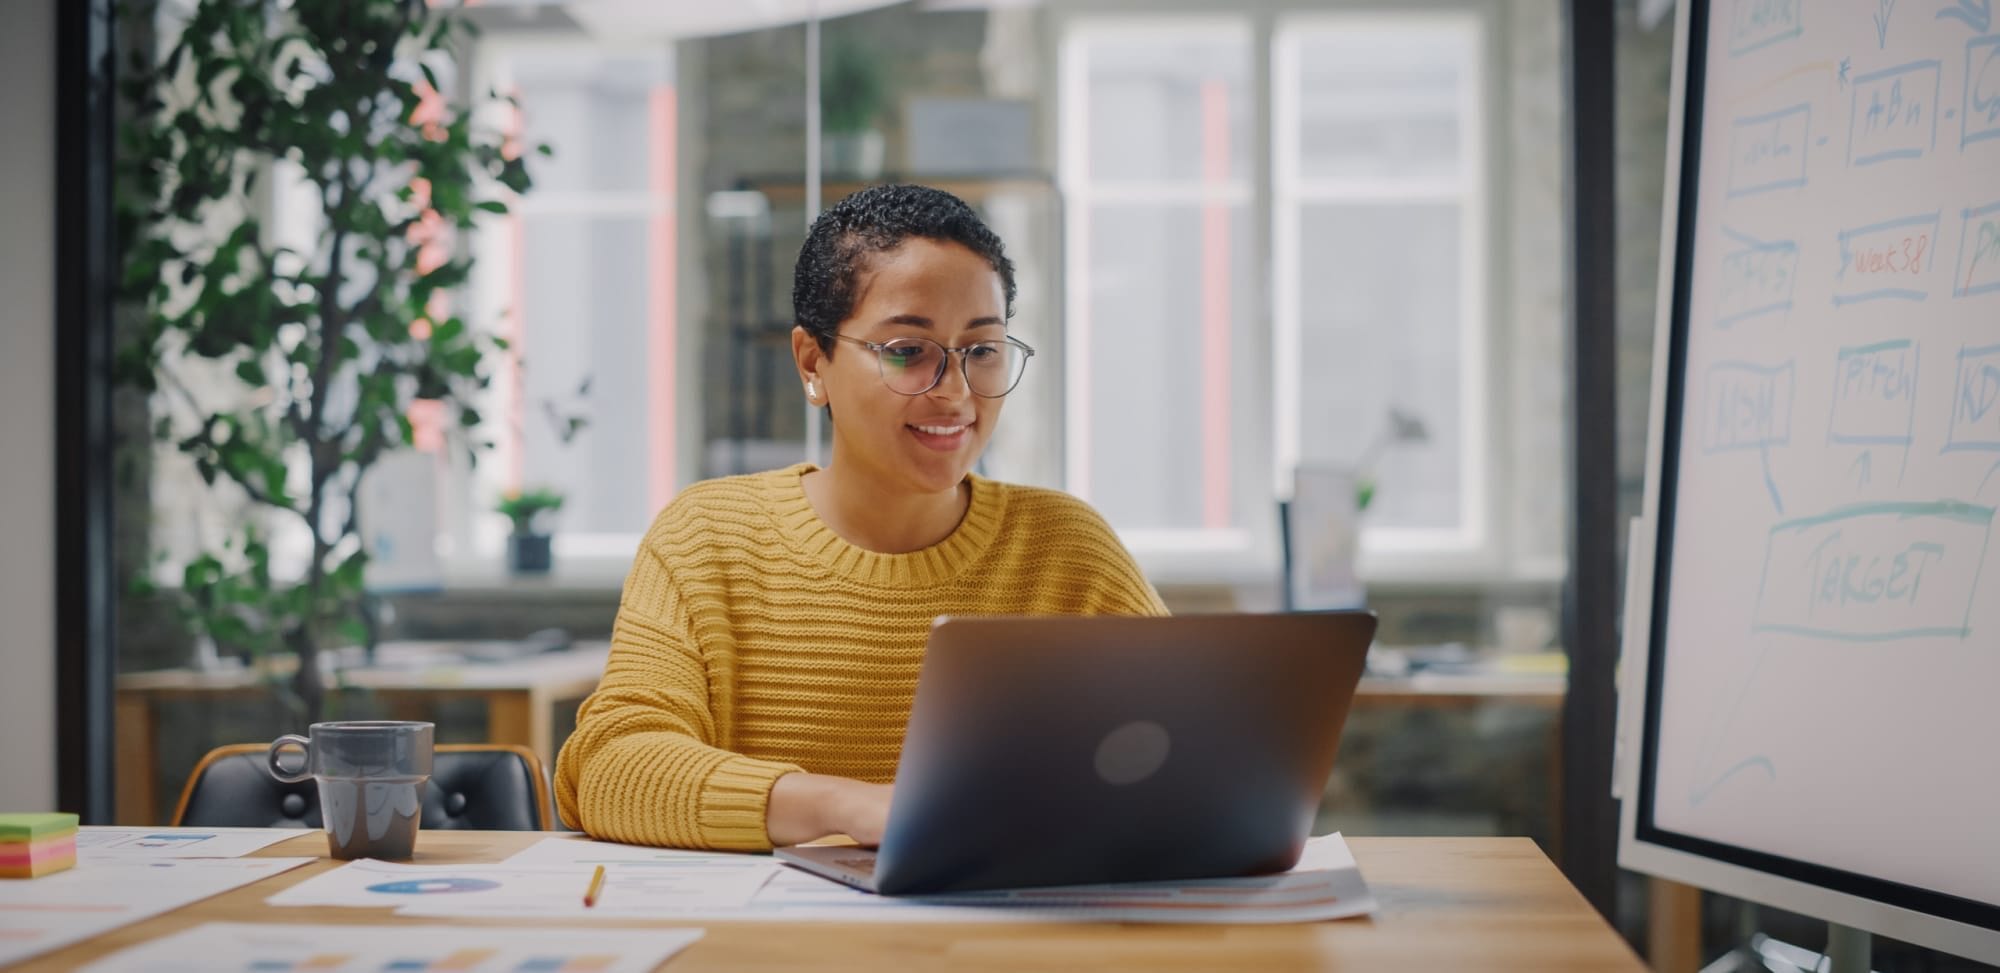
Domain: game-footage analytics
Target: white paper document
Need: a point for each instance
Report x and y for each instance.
(548, 880)
(652, 889)
(1324, 885)
(37, 915)
(588, 853)
(223, 947)
(638, 882)
(102, 843)
(1325, 853)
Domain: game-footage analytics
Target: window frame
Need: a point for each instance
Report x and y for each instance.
(1243, 553)
(474, 534)
(1247, 556)
(1482, 548)
(1397, 550)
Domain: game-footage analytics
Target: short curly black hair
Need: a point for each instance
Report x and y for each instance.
(877, 220)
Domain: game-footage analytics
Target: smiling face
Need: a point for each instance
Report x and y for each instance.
(919, 444)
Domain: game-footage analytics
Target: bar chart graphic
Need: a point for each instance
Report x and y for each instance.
(457, 961)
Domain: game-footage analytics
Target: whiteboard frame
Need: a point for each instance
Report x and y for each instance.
(1881, 907)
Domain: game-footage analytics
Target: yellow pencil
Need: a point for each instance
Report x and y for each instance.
(596, 884)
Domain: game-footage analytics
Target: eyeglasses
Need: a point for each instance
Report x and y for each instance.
(913, 366)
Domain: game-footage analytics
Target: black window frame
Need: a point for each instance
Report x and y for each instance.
(86, 661)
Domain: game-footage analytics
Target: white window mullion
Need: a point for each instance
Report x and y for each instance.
(613, 212)
(1475, 409)
(1338, 179)
(1359, 167)
(1123, 175)
(1286, 340)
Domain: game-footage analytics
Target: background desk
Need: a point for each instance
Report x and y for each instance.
(521, 697)
(1435, 689)
(411, 679)
(1447, 904)
(1421, 712)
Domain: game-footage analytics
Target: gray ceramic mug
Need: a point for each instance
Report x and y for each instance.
(371, 776)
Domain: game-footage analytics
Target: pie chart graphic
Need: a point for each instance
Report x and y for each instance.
(434, 886)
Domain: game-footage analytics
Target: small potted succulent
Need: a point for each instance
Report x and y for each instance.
(528, 549)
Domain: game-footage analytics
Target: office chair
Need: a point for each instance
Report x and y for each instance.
(473, 786)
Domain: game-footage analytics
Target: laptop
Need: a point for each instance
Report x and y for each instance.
(1079, 750)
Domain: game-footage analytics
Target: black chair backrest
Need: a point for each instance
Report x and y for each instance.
(472, 787)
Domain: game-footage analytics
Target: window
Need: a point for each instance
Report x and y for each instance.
(1380, 244)
(580, 277)
(1158, 169)
(1276, 234)
(1189, 406)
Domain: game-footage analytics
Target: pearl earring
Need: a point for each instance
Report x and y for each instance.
(812, 392)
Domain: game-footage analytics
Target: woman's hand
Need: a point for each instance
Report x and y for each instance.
(861, 811)
(806, 807)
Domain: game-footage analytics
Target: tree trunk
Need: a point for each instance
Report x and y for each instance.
(307, 681)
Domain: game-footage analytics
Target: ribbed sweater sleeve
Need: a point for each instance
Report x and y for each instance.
(642, 766)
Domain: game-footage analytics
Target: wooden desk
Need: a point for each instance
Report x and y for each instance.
(1674, 910)
(410, 678)
(1447, 904)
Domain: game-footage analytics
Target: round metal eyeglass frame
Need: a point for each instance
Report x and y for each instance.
(944, 362)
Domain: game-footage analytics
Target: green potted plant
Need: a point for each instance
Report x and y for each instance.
(282, 368)
(1399, 428)
(528, 544)
(852, 94)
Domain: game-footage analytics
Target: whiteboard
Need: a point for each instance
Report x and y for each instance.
(1820, 694)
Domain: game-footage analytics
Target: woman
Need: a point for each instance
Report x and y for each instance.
(767, 646)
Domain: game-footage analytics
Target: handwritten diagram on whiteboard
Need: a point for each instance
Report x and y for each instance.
(1832, 686)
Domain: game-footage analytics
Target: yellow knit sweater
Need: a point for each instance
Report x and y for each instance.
(752, 641)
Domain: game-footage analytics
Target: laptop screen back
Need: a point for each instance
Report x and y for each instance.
(1052, 751)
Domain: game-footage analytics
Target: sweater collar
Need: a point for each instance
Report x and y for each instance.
(941, 562)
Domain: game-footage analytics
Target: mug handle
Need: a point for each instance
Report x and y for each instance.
(278, 771)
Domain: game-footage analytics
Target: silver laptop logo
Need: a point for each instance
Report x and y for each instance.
(1132, 753)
